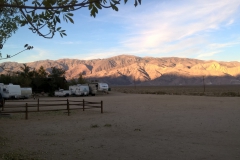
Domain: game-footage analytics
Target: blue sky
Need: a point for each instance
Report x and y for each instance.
(199, 29)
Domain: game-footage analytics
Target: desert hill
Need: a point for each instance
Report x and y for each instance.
(130, 70)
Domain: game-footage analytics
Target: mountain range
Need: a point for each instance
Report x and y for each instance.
(133, 70)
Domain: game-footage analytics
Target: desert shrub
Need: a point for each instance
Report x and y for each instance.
(161, 92)
(94, 126)
(230, 94)
(107, 125)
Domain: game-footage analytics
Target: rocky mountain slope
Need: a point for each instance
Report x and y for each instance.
(131, 70)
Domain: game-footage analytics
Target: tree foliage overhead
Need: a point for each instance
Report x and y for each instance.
(44, 16)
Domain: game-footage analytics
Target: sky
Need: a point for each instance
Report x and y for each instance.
(198, 29)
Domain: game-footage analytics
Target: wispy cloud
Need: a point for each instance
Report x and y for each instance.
(223, 45)
(175, 28)
(35, 55)
(208, 54)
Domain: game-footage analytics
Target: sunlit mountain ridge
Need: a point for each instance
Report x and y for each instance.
(129, 70)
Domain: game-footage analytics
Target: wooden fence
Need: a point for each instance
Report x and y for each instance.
(27, 106)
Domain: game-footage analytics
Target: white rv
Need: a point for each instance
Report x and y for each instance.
(26, 92)
(10, 91)
(79, 90)
(82, 90)
(98, 87)
(92, 89)
(73, 89)
(103, 87)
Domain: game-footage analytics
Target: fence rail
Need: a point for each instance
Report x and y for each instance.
(42, 107)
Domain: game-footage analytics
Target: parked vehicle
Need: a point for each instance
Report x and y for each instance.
(10, 91)
(82, 90)
(62, 93)
(73, 89)
(79, 90)
(26, 92)
(92, 89)
(103, 87)
(98, 87)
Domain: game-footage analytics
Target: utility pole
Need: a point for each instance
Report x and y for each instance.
(203, 84)
(134, 82)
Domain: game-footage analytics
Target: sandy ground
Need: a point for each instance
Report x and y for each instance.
(133, 126)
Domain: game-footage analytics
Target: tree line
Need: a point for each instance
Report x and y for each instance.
(40, 80)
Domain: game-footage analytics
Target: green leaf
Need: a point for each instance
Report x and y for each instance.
(114, 7)
(70, 14)
(70, 19)
(115, 2)
(33, 13)
(29, 18)
(135, 4)
(58, 19)
(98, 5)
(90, 6)
(94, 11)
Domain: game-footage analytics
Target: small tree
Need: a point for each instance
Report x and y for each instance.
(81, 80)
(41, 72)
(57, 72)
(72, 82)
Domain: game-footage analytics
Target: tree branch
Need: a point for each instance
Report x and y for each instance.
(45, 8)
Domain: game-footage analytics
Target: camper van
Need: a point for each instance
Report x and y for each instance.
(10, 91)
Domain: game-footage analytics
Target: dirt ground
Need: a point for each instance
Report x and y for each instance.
(132, 127)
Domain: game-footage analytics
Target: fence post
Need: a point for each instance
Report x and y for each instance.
(3, 104)
(68, 107)
(38, 105)
(101, 106)
(26, 112)
(83, 105)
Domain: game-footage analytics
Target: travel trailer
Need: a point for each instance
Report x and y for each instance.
(82, 90)
(92, 89)
(10, 91)
(26, 92)
(73, 89)
(98, 87)
(79, 90)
